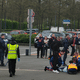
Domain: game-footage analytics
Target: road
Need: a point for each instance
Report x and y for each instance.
(31, 68)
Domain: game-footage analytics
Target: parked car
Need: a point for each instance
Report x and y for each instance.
(68, 30)
(49, 34)
(72, 32)
(34, 31)
(17, 32)
(46, 31)
(57, 34)
(7, 37)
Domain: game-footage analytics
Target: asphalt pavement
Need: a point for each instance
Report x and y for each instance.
(31, 68)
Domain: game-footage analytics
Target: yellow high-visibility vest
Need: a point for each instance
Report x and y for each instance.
(12, 51)
(72, 66)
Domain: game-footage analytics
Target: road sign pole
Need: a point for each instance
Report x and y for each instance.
(30, 24)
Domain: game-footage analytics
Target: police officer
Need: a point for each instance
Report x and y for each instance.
(65, 45)
(72, 68)
(2, 48)
(40, 44)
(12, 51)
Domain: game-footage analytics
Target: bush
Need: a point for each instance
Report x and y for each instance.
(23, 38)
(13, 24)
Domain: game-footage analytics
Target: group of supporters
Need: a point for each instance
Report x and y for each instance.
(55, 53)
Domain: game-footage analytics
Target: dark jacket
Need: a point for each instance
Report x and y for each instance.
(12, 43)
(56, 45)
(78, 41)
(65, 43)
(72, 39)
(51, 40)
(2, 45)
(40, 42)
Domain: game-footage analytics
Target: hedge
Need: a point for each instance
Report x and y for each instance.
(13, 24)
(24, 38)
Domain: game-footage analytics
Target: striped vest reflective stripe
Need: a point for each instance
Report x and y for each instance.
(72, 66)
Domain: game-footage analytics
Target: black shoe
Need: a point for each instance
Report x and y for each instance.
(10, 74)
(45, 68)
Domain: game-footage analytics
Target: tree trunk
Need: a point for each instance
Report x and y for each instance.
(1, 16)
(78, 23)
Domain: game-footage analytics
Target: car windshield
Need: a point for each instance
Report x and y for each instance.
(28, 31)
(57, 34)
(45, 31)
(44, 34)
(14, 32)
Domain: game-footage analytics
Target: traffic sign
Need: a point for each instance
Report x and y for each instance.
(32, 16)
(28, 19)
(66, 21)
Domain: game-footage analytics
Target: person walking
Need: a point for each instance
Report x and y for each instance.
(65, 45)
(45, 46)
(2, 48)
(12, 52)
(40, 44)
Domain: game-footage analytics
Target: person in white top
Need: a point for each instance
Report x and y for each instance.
(45, 46)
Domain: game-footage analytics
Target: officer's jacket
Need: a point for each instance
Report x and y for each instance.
(66, 43)
(12, 50)
(2, 45)
(51, 40)
(78, 41)
(40, 42)
(72, 66)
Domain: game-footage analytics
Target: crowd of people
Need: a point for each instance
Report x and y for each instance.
(54, 44)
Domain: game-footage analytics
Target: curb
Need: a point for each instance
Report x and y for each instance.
(25, 44)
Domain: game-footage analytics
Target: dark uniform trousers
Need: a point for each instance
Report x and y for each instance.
(55, 55)
(2, 58)
(38, 49)
(12, 65)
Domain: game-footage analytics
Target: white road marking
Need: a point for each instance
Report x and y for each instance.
(21, 70)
